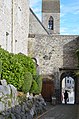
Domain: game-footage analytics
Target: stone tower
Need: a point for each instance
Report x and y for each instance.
(51, 15)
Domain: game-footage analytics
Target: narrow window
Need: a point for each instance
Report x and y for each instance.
(50, 23)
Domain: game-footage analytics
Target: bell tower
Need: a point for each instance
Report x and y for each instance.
(51, 15)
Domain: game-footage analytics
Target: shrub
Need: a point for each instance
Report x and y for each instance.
(14, 68)
(36, 85)
(0, 68)
(38, 80)
(27, 82)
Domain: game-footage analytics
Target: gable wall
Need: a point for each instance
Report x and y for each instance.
(34, 26)
(54, 51)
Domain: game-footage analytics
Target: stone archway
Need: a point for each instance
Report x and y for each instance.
(68, 82)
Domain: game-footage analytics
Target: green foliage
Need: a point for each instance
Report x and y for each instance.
(77, 73)
(20, 71)
(14, 68)
(77, 53)
(36, 85)
(38, 80)
(0, 68)
(27, 82)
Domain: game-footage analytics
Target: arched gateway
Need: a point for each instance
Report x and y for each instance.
(69, 82)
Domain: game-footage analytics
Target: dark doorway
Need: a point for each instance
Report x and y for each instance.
(47, 90)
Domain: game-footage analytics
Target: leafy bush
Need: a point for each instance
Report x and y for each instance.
(0, 68)
(36, 85)
(14, 68)
(18, 70)
(27, 82)
(38, 80)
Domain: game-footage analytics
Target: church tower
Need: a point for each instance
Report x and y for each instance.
(51, 15)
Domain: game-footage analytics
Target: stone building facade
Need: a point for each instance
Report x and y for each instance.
(14, 25)
(35, 25)
(56, 53)
(21, 31)
(51, 13)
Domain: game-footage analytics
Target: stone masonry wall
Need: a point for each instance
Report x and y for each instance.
(54, 52)
(15, 105)
(56, 22)
(20, 26)
(5, 24)
(14, 25)
(8, 96)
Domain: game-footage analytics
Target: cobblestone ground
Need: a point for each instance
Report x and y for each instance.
(61, 112)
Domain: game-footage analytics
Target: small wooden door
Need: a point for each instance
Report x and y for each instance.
(47, 90)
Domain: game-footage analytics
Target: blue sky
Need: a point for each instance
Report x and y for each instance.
(69, 17)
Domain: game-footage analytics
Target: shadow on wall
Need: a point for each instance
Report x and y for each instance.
(69, 56)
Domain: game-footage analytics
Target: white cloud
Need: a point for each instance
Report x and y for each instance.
(69, 15)
(70, 8)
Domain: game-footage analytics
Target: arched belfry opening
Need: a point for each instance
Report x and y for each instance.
(68, 83)
(51, 23)
(51, 8)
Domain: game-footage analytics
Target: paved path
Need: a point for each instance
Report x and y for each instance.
(61, 112)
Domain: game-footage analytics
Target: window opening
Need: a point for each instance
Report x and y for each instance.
(50, 23)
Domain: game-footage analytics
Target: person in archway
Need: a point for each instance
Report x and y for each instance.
(65, 96)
